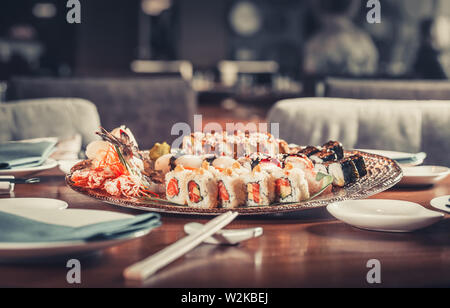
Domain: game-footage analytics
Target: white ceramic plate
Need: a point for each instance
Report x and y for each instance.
(384, 215)
(404, 159)
(32, 203)
(423, 175)
(23, 172)
(70, 217)
(441, 203)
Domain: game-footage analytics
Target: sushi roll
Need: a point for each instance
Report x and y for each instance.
(231, 189)
(323, 156)
(344, 172)
(223, 162)
(260, 187)
(272, 166)
(176, 188)
(291, 186)
(306, 165)
(189, 161)
(245, 162)
(165, 163)
(168, 162)
(209, 158)
(309, 150)
(336, 147)
(321, 168)
(360, 165)
(298, 161)
(202, 189)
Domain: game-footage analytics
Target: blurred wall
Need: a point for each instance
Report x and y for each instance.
(107, 37)
(202, 31)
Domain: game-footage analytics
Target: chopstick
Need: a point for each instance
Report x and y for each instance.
(147, 267)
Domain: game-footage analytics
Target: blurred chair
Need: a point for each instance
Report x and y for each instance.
(148, 106)
(53, 117)
(388, 89)
(408, 126)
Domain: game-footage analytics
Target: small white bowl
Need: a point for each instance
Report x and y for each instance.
(440, 203)
(402, 158)
(384, 215)
(423, 175)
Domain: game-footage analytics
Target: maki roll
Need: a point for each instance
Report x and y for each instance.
(165, 163)
(231, 189)
(245, 162)
(260, 187)
(321, 168)
(360, 165)
(309, 150)
(336, 147)
(291, 186)
(189, 161)
(299, 161)
(202, 189)
(168, 162)
(344, 172)
(323, 156)
(223, 162)
(176, 189)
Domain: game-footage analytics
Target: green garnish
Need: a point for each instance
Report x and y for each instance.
(328, 181)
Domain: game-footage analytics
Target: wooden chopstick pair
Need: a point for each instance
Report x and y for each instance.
(142, 270)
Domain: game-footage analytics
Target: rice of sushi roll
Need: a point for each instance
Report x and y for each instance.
(291, 186)
(245, 162)
(260, 187)
(299, 161)
(336, 147)
(165, 163)
(344, 172)
(231, 189)
(176, 188)
(189, 161)
(202, 189)
(321, 168)
(223, 162)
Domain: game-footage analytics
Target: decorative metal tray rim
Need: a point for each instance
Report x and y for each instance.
(383, 173)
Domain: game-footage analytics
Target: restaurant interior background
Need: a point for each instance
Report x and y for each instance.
(322, 71)
(228, 60)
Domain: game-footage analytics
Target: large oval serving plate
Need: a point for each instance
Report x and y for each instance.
(382, 174)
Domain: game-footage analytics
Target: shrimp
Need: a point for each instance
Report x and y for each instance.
(115, 166)
(87, 178)
(127, 152)
(123, 185)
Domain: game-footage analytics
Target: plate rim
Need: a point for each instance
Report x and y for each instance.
(48, 164)
(133, 203)
(423, 175)
(350, 214)
(64, 203)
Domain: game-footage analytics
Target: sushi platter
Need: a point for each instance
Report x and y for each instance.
(266, 176)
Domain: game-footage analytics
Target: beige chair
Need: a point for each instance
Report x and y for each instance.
(52, 117)
(148, 106)
(409, 126)
(388, 89)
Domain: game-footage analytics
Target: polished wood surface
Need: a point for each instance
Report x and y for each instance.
(304, 249)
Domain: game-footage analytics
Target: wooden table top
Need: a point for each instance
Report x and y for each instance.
(304, 249)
